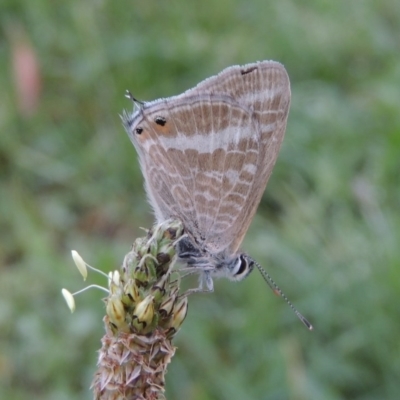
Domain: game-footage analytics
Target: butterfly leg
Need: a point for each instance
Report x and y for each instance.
(205, 277)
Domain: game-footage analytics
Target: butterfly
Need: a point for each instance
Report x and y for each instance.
(206, 156)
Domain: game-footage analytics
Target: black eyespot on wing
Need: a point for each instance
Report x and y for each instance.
(139, 130)
(160, 121)
(248, 70)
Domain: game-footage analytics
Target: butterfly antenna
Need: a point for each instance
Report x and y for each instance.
(275, 288)
(135, 101)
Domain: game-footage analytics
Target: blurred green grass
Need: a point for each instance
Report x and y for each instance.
(328, 227)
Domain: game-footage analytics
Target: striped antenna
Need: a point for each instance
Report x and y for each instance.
(275, 288)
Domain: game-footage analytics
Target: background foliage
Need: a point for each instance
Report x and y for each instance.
(328, 227)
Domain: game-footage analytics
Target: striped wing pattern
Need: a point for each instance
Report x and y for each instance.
(207, 154)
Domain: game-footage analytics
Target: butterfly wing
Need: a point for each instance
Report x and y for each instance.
(264, 88)
(207, 154)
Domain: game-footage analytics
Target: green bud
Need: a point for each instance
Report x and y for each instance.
(130, 263)
(158, 289)
(178, 314)
(167, 306)
(116, 311)
(143, 313)
(132, 291)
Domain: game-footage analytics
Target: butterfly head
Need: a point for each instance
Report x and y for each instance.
(236, 268)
